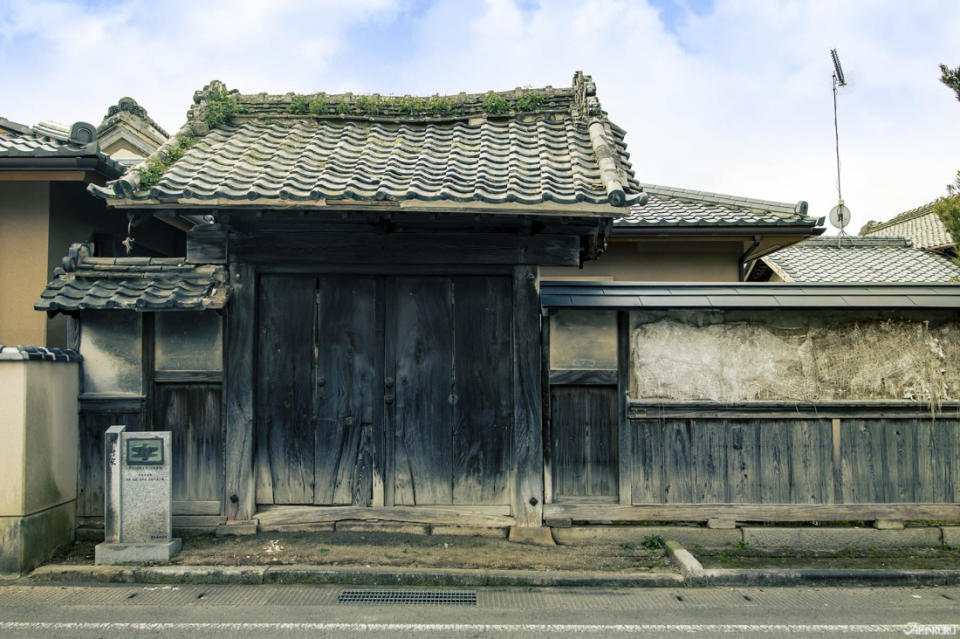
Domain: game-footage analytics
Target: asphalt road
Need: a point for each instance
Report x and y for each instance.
(266, 612)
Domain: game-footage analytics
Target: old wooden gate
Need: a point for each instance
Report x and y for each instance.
(384, 390)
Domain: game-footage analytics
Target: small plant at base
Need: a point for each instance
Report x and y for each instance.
(494, 104)
(628, 546)
(653, 542)
(742, 545)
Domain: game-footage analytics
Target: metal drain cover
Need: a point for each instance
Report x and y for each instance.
(407, 597)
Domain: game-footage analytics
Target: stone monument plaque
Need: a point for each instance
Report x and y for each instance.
(137, 483)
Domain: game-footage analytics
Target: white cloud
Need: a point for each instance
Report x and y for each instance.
(733, 99)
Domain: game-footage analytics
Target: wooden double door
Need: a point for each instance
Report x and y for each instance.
(384, 390)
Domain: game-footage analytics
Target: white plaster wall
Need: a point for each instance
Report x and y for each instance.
(38, 457)
(13, 398)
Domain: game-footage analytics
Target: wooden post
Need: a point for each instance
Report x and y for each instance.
(545, 408)
(625, 458)
(239, 388)
(527, 420)
(837, 462)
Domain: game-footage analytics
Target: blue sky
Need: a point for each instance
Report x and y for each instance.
(731, 96)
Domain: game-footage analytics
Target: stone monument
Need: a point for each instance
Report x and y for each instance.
(136, 519)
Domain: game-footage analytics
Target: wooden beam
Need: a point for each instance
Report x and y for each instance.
(240, 497)
(405, 248)
(187, 377)
(527, 416)
(484, 516)
(604, 513)
(859, 409)
(625, 458)
(584, 377)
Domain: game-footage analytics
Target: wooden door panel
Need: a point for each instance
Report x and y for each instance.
(349, 390)
(285, 390)
(483, 410)
(419, 326)
(584, 427)
(192, 413)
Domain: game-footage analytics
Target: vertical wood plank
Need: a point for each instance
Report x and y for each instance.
(709, 459)
(775, 463)
(92, 426)
(836, 443)
(239, 369)
(625, 454)
(648, 461)
(192, 413)
(546, 408)
(483, 397)
(381, 435)
(286, 428)
(743, 461)
(527, 416)
(349, 390)
(420, 318)
(679, 468)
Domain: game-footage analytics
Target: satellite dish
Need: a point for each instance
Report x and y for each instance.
(840, 216)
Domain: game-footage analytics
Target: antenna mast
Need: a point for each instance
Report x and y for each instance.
(840, 214)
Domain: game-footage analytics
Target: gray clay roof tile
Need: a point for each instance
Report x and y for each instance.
(921, 225)
(563, 152)
(870, 259)
(142, 284)
(670, 206)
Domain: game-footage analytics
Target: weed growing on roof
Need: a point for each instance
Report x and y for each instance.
(368, 104)
(299, 104)
(410, 105)
(153, 169)
(318, 104)
(494, 104)
(222, 107)
(440, 105)
(343, 107)
(530, 101)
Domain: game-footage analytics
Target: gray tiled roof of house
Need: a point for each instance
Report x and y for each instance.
(746, 295)
(855, 259)
(133, 283)
(19, 144)
(921, 225)
(549, 147)
(669, 206)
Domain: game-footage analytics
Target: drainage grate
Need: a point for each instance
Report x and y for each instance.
(408, 597)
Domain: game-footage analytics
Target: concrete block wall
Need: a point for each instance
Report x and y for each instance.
(39, 454)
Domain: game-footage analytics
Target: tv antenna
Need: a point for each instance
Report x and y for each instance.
(840, 214)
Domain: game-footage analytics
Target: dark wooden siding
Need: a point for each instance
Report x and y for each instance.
(285, 386)
(192, 413)
(584, 441)
(794, 461)
(93, 424)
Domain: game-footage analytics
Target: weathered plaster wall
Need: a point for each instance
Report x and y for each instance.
(38, 460)
(659, 262)
(24, 224)
(789, 355)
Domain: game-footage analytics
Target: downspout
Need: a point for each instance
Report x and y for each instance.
(742, 267)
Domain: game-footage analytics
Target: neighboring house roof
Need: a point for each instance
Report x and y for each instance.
(128, 133)
(549, 149)
(856, 259)
(51, 146)
(669, 206)
(746, 295)
(920, 225)
(133, 283)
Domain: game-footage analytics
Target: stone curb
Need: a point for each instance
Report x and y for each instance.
(695, 575)
(255, 575)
